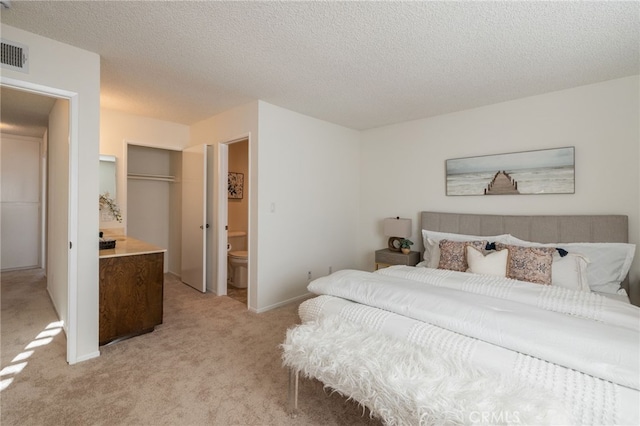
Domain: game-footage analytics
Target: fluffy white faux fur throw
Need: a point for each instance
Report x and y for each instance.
(404, 384)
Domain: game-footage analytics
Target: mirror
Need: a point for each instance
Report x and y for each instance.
(108, 175)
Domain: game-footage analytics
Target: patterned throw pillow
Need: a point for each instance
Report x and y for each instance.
(453, 255)
(532, 264)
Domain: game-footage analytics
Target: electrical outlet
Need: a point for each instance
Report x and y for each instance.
(309, 275)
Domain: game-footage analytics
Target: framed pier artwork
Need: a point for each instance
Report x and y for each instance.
(545, 171)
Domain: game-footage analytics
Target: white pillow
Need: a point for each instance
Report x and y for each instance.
(432, 250)
(494, 263)
(608, 266)
(570, 271)
(432, 253)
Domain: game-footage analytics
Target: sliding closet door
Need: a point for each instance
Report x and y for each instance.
(194, 217)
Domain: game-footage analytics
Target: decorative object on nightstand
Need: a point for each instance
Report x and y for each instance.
(386, 257)
(396, 229)
(405, 246)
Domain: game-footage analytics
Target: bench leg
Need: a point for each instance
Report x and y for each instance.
(293, 392)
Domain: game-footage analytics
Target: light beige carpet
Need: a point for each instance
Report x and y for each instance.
(211, 362)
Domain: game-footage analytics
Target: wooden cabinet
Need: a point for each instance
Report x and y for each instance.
(131, 292)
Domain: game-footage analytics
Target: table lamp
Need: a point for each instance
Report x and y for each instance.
(396, 229)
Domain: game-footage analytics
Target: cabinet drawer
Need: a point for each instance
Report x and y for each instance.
(388, 257)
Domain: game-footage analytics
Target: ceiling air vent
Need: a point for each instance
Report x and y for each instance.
(14, 56)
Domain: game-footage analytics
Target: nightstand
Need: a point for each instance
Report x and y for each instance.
(386, 257)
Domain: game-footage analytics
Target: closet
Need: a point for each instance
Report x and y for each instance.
(154, 200)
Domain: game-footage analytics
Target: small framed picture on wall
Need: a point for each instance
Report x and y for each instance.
(235, 185)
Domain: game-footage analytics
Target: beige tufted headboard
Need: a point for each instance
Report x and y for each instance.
(542, 229)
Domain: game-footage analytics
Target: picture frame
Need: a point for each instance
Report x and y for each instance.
(235, 185)
(545, 171)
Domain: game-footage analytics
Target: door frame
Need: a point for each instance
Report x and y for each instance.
(222, 214)
(222, 217)
(71, 327)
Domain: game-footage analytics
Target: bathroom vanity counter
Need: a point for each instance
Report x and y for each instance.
(127, 246)
(131, 289)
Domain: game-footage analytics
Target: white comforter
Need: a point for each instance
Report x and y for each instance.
(590, 334)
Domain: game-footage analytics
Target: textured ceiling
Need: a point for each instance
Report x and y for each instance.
(358, 64)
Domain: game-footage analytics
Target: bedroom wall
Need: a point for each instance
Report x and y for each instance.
(303, 196)
(403, 165)
(307, 202)
(236, 123)
(117, 127)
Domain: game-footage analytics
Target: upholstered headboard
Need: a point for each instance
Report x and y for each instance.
(542, 229)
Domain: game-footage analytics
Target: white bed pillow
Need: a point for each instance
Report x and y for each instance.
(494, 263)
(431, 253)
(431, 248)
(570, 271)
(608, 263)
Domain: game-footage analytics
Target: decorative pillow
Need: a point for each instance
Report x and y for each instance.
(531, 264)
(570, 271)
(609, 263)
(453, 254)
(494, 263)
(432, 250)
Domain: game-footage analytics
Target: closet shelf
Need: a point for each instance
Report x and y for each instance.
(142, 176)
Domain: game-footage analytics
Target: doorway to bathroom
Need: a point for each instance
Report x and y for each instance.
(238, 219)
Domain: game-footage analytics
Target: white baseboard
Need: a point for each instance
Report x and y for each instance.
(283, 303)
(86, 357)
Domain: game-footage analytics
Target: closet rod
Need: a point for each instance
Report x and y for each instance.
(151, 177)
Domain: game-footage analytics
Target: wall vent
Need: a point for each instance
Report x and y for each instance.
(14, 56)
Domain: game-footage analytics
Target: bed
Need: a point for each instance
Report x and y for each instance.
(549, 338)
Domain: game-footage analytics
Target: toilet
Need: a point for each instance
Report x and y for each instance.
(237, 258)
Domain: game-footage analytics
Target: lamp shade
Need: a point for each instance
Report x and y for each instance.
(396, 227)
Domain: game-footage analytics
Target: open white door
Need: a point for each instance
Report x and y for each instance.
(194, 217)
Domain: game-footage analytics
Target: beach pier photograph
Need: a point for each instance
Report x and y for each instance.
(502, 183)
(547, 171)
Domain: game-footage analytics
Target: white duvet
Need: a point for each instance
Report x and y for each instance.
(582, 348)
(604, 341)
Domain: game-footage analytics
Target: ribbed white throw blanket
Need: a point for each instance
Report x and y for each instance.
(408, 384)
(557, 299)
